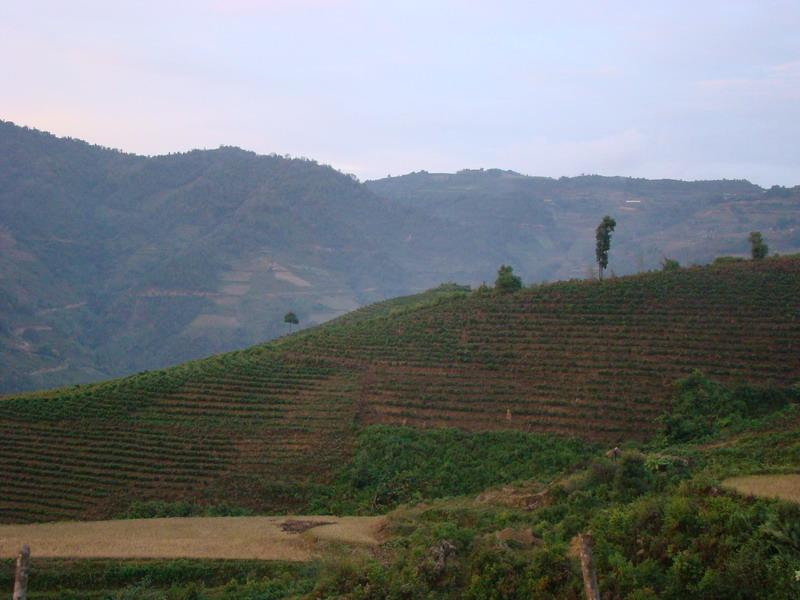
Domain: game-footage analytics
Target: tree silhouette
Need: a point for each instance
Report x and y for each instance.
(603, 235)
(670, 264)
(758, 248)
(506, 280)
(291, 319)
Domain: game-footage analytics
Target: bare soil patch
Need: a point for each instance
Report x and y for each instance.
(261, 538)
(785, 487)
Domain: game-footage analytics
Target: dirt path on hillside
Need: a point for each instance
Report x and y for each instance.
(263, 538)
(786, 487)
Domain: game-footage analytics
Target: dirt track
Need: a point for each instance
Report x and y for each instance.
(264, 538)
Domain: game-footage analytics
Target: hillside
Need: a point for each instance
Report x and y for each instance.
(542, 225)
(112, 263)
(269, 428)
(666, 518)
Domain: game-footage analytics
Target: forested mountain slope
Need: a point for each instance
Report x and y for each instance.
(112, 263)
(267, 428)
(545, 226)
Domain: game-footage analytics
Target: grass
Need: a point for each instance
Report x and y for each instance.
(786, 487)
(241, 538)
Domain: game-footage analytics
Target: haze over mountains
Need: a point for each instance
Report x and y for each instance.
(112, 263)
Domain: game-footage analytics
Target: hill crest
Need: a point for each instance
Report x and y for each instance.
(263, 427)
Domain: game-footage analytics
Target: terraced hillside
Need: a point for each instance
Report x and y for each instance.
(575, 358)
(265, 427)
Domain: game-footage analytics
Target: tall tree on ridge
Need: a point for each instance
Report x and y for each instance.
(506, 280)
(291, 319)
(603, 235)
(758, 248)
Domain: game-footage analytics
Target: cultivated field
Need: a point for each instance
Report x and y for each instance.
(262, 538)
(786, 487)
(265, 427)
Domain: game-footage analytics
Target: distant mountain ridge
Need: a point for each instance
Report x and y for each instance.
(554, 219)
(112, 263)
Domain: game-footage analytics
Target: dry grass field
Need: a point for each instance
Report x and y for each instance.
(786, 487)
(262, 538)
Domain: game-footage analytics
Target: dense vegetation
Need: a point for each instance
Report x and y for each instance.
(399, 465)
(112, 263)
(266, 429)
(663, 524)
(61, 579)
(703, 408)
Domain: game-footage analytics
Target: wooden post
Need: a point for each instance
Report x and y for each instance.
(21, 575)
(587, 567)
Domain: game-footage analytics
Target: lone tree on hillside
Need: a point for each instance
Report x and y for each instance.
(758, 248)
(603, 235)
(506, 280)
(291, 319)
(670, 264)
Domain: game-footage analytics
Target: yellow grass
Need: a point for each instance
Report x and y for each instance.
(786, 487)
(219, 537)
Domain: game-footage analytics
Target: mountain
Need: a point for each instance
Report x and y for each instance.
(112, 263)
(270, 428)
(544, 227)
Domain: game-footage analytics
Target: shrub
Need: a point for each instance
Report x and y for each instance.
(758, 248)
(506, 280)
(632, 477)
(702, 407)
(669, 264)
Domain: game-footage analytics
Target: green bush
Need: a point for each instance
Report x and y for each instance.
(702, 407)
(506, 281)
(669, 264)
(631, 478)
(396, 465)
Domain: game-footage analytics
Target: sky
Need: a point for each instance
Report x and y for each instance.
(686, 90)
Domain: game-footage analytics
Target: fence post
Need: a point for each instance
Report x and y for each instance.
(21, 575)
(587, 567)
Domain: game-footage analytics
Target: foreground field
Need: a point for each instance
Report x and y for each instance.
(261, 538)
(664, 523)
(786, 487)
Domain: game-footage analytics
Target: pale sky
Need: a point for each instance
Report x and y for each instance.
(689, 90)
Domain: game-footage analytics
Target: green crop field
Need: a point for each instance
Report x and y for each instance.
(264, 428)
